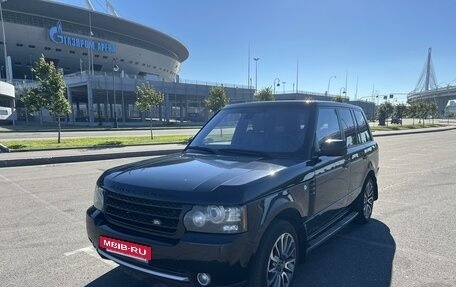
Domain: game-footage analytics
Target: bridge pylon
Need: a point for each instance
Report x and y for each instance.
(428, 90)
(427, 80)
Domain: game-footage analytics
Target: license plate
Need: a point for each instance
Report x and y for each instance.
(129, 249)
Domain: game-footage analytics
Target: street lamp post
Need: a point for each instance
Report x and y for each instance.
(115, 68)
(278, 83)
(329, 84)
(256, 73)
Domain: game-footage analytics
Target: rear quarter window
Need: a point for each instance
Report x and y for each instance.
(364, 134)
(349, 127)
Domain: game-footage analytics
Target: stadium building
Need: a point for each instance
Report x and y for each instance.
(103, 58)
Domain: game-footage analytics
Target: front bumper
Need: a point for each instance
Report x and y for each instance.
(225, 257)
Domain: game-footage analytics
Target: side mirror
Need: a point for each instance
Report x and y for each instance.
(333, 148)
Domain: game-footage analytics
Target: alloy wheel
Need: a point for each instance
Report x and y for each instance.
(282, 262)
(368, 199)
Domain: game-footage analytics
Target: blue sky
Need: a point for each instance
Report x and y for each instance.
(379, 42)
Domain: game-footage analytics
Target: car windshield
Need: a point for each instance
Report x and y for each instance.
(255, 131)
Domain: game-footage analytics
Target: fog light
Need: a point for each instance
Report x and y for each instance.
(203, 278)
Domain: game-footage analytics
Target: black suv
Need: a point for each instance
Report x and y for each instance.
(258, 187)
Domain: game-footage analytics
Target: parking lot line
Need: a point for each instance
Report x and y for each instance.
(91, 252)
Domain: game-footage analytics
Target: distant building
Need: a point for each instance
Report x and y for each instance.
(101, 55)
(103, 58)
(369, 108)
(450, 109)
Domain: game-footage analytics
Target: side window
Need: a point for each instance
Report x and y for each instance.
(349, 127)
(363, 128)
(327, 126)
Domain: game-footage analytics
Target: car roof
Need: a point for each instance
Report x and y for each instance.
(293, 103)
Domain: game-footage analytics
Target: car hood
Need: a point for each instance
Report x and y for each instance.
(198, 178)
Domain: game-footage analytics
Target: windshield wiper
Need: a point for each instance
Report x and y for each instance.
(244, 152)
(202, 148)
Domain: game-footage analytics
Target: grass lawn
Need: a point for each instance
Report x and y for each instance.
(92, 142)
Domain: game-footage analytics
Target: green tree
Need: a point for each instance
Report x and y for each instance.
(425, 109)
(338, 99)
(413, 111)
(217, 99)
(422, 111)
(31, 103)
(148, 98)
(384, 111)
(264, 95)
(400, 111)
(433, 109)
(50, 92)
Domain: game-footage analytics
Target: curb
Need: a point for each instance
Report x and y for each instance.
(412, 132)
(82, 158)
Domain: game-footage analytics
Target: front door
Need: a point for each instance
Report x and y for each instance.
(332, 173)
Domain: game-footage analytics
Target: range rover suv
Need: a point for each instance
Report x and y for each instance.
(257, 188)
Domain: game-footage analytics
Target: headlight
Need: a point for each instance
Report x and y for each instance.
(216, 219)
(98, 196)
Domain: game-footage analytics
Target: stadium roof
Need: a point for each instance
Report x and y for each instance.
(78, 15)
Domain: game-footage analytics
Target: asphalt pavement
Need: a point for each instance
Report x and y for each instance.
(409, 242)
(24, 158)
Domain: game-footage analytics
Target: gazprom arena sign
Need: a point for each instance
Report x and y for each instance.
(57, 36)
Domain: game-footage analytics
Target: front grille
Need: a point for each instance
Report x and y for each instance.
(143, 215)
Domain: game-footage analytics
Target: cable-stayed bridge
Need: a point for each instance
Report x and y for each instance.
(428, 89)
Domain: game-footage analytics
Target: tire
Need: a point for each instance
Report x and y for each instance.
(364, 204)
(275, 262)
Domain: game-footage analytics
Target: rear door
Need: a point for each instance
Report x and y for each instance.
(354, 152)
(363, 149)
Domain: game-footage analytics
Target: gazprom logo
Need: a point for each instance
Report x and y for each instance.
(57, 36)
(55, 33)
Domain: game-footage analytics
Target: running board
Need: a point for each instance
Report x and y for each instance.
(312, 244)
